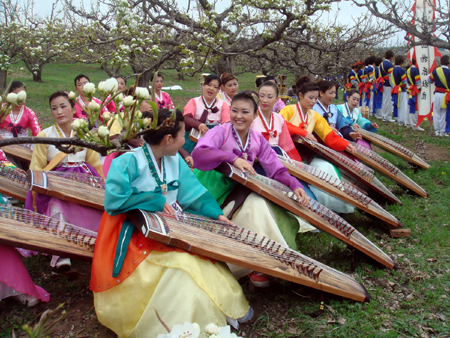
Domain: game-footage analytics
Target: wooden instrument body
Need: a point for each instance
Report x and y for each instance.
(393, 147)
(341, 190)
(29, 230)
(349, 166)
(317, 214)
(385, 167)
(13, 183)
(241, 247)
(20, 152)
(80, 188)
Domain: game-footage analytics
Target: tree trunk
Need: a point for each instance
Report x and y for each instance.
(37, 75)
(225, 64)
(3, 83)
(112, 72)
(180, 74)
(144, 79)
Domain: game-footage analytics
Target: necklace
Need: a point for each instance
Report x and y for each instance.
(269, 130)
(162, 185)
(303, 117)
(242, 149)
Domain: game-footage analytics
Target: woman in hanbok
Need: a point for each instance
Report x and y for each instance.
(162, 99)
(280, 103)
(206, 111)
(325, 106)
(229, 87)
(353, 117)
(238, 144)
(21, 119)
(19, 122)
(82, 101)
(304, 121)
(15, 281)
(180, 286)
(274, 128)
(47, 157)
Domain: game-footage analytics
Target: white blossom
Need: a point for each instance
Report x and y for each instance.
(111, 85)
(89, 89)
(11, 98)
(21, 96)
(128, 101)
(103, 131)
(94, 106)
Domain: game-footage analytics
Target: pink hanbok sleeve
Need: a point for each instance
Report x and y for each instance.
(111, 106)
(190, 108)
(279, 105)
(207, 154)
(168, 100)
(225, 113)
(274, 169)
(285, 142)
(33, 122)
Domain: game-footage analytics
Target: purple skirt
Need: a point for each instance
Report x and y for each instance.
(83, 216)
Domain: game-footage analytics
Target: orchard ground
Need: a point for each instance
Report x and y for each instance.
(411, 301)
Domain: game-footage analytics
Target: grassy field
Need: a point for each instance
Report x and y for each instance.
(411, 301)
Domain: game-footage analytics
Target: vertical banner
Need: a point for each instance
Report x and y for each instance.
(425, 60)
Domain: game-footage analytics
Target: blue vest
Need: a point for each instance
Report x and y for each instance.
(414, 72)
(438, 82)
(384, 70)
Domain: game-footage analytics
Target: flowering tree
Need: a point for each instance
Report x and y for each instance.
(42, 42)
(124, 38)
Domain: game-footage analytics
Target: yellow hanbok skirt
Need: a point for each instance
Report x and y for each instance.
(180, 286)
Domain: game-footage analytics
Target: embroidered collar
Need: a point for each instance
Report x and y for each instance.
(227, 98)
(243, 149)
(303, 117)
(159, 98)
(350, 115)
(270, 132)
(19, 116)
(60, 132)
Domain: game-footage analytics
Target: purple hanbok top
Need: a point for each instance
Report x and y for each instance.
(219, 145)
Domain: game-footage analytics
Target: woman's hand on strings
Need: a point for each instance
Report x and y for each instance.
(222, 218)
(20, 170)
(168, 209)
(355, 135)
(351, 149)
(203, 128)
(356, 125)
(243, 165)
(310, 137)
(303, 198)
(375, 125)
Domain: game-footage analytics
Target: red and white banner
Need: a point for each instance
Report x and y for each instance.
(425, 57)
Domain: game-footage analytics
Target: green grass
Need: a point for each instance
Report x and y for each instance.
(412, 301)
